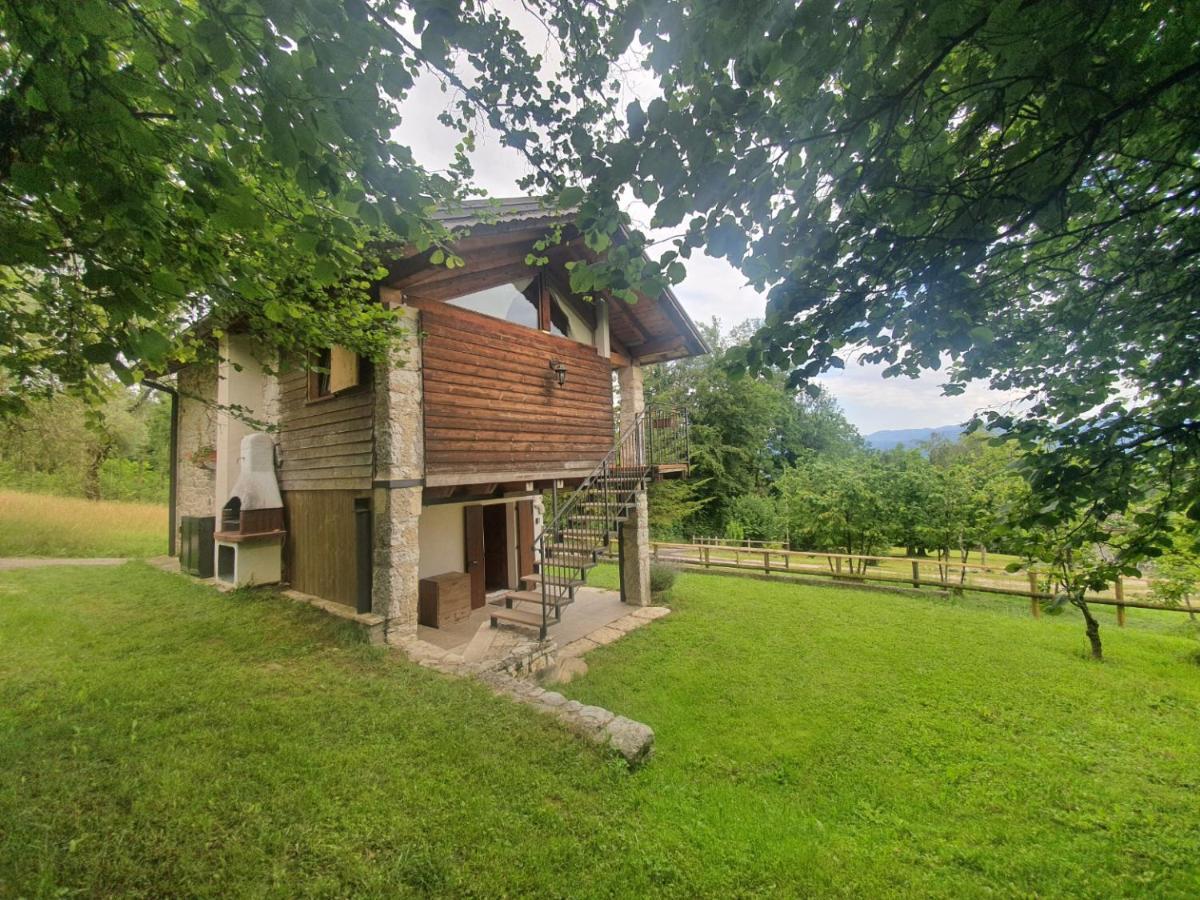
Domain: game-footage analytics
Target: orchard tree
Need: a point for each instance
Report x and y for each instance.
(842, 505)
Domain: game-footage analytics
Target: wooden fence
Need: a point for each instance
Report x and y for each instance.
(895, 570)
(745, 543)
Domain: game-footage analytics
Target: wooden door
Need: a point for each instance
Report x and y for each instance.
(495, 546)
(525, 537)
(474, 562)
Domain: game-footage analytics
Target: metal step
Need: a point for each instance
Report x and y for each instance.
(536, 578)
(532, 597)
(569, 561)
(516, 617)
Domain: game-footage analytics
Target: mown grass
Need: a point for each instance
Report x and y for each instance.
(46, 525)
(158, 738)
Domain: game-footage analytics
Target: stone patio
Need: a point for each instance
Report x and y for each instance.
(474, 638)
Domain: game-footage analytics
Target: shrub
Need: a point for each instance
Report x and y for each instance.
(661, 578)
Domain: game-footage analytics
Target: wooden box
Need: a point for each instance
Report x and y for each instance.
(444, 599)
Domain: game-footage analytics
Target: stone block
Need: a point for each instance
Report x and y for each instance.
(633, 740)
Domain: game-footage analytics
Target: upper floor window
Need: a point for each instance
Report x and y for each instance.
(515, 302)
(529, 302)
(336, 369)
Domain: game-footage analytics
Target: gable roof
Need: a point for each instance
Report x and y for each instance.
(654, 329)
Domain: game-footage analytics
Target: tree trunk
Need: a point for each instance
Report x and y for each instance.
(1093, 627)
(91, 477)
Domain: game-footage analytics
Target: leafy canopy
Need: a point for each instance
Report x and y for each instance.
(1007, 188)
(161, 162)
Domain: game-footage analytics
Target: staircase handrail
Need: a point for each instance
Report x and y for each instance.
(614, 474)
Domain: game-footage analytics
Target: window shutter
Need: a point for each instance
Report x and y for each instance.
(343, 369)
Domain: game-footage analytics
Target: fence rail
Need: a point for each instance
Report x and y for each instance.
(855, 568)
(745, 543)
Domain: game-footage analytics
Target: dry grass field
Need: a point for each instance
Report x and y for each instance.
(45, 525)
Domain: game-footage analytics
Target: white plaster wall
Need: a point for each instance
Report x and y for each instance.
(440, 537)
(442, 542)
(241, 382)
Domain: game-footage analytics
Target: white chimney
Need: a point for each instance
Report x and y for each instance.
(256, 486)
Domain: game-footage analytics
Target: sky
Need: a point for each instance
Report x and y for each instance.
(712, 288)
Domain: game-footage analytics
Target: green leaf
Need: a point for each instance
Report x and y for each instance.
(981, 334)
(274, 310)
(570, 197)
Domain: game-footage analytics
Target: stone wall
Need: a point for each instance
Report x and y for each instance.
(196, 483)
(635, 564)
(397, 487)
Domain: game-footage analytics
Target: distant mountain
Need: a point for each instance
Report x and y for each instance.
(910, 437)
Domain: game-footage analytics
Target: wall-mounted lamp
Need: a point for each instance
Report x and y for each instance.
(560, 371)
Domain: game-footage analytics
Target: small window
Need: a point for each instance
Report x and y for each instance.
(335, 369)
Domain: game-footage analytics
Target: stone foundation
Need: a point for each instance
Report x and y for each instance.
(397, 485)
(195, 486)
(635, 561)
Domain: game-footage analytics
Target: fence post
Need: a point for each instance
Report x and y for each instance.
(916, 567)
(705, 549)
(1034, 606)
(767, 562)
(1119, 593)
(837, 566)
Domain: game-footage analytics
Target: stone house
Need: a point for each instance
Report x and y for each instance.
(428, 472)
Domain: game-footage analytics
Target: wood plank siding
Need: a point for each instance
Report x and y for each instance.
(324, 444)
(319, 550)
(326, 460)
(491, 402)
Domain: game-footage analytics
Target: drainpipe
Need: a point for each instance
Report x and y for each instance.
(173, 477)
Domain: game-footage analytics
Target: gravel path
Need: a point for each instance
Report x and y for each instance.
(37, 562)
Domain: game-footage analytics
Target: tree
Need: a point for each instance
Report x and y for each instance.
(757, 517)
(745, 431)
(912, 485)
(838, 504)
(1073, 559)
(1007, 188)
(162, 162)
(1176, 574)
(115, 448)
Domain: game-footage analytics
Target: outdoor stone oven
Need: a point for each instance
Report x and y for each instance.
(249, 543)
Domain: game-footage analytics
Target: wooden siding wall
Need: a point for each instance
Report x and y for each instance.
(491, 402)
(319, 550)
(326, 444)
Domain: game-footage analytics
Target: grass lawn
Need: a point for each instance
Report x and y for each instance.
(45, 525)
(158, 738)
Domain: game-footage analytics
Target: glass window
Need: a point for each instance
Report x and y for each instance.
(515, 302)
(565, 322)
